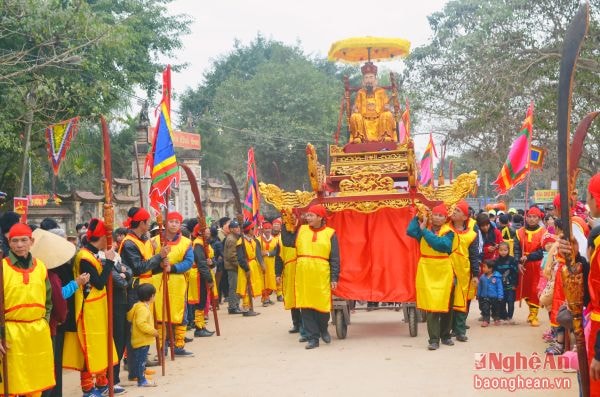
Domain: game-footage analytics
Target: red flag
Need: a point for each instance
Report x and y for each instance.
(21, 205)
(517, 164)
(427, 163)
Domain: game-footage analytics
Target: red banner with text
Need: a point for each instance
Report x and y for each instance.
(21, 205)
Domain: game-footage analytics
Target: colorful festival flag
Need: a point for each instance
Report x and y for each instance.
(517, 164)
(426, 174)
(252, 200)
(58, 140)
(161, 162)
(404, 124)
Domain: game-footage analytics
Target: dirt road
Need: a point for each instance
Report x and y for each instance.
(255, 356)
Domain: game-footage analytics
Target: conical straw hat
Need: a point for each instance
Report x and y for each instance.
(51, 249)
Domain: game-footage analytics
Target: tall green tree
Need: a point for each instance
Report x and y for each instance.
(269, 96)
(487, 60)
(60, 59)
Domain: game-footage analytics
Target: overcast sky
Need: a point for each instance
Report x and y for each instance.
(314, 25)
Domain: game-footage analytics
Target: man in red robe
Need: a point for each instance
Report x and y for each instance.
(530, 240)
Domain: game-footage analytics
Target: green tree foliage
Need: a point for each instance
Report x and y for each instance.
(269, 96)
(487, 60)
(60, 59)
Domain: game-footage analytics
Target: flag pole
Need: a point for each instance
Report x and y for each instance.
(527, 190)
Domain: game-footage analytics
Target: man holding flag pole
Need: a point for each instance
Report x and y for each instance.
(164, 171)
(251, 281)
(514, 171)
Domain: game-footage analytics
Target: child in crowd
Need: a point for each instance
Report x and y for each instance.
(142, 332)
(490, 236)
(549, 223)
(490, 293)
(508, 267)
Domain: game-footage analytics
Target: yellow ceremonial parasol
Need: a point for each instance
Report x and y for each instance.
(367, 49)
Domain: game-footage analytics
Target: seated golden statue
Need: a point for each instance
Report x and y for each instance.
(371, 119)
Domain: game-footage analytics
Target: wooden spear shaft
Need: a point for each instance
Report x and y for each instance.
(108, 223)
(3, 328)
(166, 301)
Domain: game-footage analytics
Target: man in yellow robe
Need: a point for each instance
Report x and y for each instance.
(371, 119)
(27, 307)
(435, 277)
(285, 269)
(180, 259)
(137, 252)
(269, 249)
(466, 257)
(277, 223)
(88, 352)
(201, 281)
(251, 267)
(317, 273)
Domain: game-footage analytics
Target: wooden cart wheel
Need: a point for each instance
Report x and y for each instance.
(412, 321)
(341, 328)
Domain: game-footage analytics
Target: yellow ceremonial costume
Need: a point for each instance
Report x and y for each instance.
(463, 291)
(194, 281)
(270, 277)
(313, 275)
(194, 276)
(146, 251)
(88, 348)
(372, 122)
(280, 283)
(30, 359)
(177, 288)
(177, 282)
(435, 277)
(288, 277)
(256, 273)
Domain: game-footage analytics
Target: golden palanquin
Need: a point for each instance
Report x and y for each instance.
(366, 177)
(370, 190)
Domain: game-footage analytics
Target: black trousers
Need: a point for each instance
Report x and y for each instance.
(223, 286)
(315, 323)
(296, 318)
(57, 344)
(489, 307)
(119, 335)
(203, 294)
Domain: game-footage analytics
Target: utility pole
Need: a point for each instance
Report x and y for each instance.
(30, 183)
(30, 103)
(486, 189)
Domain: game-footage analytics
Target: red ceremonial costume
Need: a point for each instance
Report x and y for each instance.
(594, 287)
(531, 241)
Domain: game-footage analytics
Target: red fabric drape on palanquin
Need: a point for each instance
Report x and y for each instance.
(378, 259)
